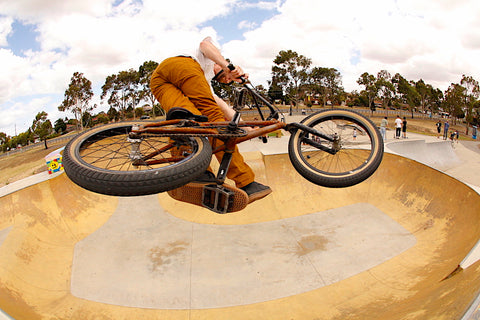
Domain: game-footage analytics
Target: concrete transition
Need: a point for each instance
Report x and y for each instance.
(388, 248)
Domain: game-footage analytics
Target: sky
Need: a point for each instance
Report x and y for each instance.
(43, 42)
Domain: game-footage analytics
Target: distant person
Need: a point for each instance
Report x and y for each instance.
(404, 128)
(439, 128)
(383, 128)
(445, 130)
(354, 133)
(398, 127)
(452, 136)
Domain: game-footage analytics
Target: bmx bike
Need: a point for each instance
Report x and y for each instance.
(332, 148)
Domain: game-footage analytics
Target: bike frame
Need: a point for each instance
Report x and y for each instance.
(258, 128)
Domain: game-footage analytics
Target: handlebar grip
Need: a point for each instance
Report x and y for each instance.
(231, 67)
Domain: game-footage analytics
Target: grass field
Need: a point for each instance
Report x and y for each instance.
(23, 164)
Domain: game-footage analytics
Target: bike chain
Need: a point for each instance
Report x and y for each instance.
(224, 134)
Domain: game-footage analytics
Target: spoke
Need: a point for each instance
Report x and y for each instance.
(118, 152)
(353, 154)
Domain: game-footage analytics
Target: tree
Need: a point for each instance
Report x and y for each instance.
(113, 114)
(101, 118)
(371, 90)
(327, 82)
(406, 92)
(145, 72)
(60, 126)
(122, 90)
(291, 72)
(275, 91)
(386, 89)
(471, 94)
(454, 99)
(42, 127)
(435, 98)
(223, 91)
(422, 91)
(87, 120)
(77, 97)
(4, 139)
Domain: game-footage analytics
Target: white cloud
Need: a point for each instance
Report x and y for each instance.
(5, 29)
(20, 115)
(433, 40)
(38, 11)
(248, 25)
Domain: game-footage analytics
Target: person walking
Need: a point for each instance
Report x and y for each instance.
(383, 128)
(404, 128)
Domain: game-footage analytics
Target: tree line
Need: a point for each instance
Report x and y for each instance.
(294, 81)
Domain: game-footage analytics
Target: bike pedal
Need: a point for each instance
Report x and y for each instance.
(217, 198)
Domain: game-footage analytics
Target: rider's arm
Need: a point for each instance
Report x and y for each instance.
(227, 111)
(211, 52)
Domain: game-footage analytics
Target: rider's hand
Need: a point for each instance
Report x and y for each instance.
(235, 74)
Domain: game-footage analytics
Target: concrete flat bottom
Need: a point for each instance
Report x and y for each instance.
(168, 263)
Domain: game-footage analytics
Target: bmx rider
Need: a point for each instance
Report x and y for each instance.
(184, 81)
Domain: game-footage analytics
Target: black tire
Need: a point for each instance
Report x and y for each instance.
(356, 159)
(100, 160)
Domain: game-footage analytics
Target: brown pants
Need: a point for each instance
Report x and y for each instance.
(180, 82)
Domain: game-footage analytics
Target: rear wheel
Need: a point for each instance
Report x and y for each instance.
(108, 161)
(358, 149)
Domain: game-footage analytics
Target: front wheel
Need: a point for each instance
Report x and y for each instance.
(357, 148)
(110, 161)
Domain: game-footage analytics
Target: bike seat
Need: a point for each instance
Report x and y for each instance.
(182, 113)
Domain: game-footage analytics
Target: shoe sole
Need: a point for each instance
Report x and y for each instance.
(193, 192)
(259, 195)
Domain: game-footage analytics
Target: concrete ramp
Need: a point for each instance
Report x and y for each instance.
(440, 154)
(384, 249)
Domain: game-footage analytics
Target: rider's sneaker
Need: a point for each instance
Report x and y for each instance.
(256, 191)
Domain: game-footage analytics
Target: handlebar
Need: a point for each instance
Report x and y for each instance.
(274, 113)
